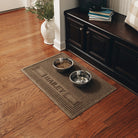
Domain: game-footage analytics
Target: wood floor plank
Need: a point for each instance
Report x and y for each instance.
(122, 121)
(26, 112)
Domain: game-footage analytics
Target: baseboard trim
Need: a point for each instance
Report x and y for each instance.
(59, 45)
(6, 11)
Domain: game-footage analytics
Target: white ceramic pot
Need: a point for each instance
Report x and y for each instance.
(48, 31)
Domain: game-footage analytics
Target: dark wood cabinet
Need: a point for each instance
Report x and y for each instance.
(98, 45)
(125, 61)
(110, 46)
(75, 33)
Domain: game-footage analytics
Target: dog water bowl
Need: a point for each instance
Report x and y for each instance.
(80, 77)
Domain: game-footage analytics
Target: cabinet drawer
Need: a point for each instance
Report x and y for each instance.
(98, 45)
(125, 61)
(75, 32)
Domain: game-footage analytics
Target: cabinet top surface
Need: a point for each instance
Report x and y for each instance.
(116, 27)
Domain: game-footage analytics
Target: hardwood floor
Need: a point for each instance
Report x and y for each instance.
(26, 112)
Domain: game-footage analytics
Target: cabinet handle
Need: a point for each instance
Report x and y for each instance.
(81, 29)
(87, 32)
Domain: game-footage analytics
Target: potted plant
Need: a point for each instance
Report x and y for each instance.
(44, 9)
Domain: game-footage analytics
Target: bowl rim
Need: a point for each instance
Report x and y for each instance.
(72, 63)
(80, 83)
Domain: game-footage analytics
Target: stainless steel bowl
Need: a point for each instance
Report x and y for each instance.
(80, 77)
(63, 64)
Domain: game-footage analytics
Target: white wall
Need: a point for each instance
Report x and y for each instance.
(59, 7)
(120, 6)
(10, 4)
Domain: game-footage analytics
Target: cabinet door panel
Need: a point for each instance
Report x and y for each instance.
(75, 33)
(98, 45)
(125, 61)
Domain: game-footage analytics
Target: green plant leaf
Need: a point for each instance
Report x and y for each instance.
(43, 8)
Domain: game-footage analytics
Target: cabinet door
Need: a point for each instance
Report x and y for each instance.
(98, 45)
(125, 61)
(75, 32)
